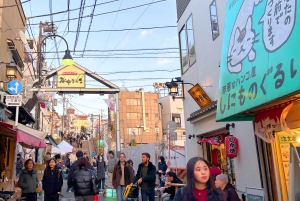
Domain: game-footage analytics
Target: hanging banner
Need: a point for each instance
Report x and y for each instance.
(46, 96)
(260, 58)
(216, 140)
(283, 124)
(110, 103)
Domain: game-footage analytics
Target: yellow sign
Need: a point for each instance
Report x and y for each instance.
(79, 123)
(71, 77)
(199, 95)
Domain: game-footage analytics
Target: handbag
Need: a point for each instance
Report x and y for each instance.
(95, 189)
(131, 191)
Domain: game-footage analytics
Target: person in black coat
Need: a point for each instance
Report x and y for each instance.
(73, 168)
(101, 169)
(52, 181)
(82, 181)
(222, 182)
(171, 178)
(162, 168)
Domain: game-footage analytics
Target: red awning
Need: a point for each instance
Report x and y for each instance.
(30, 141)
(27, 137)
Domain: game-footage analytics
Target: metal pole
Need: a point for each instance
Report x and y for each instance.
(17, 116)
(118, 123)
(63, 116)
(139, 130)
(52, 117)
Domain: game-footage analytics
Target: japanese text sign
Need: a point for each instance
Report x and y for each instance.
(231, 146)
(199, 95)
(13, 100)
(71, 77)
(260, 54)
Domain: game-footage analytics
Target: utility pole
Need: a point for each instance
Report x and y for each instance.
(63, 116)
(39, 73)
(92, 118)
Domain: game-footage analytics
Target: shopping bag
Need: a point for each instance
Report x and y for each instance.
(131, 191)
(96, 198)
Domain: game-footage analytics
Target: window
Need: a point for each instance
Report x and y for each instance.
(132, 115)
(134, 131)
(190, 40)
(133, 101)
(177, 120)
(214, 20)
(187, 45)
(183, 50)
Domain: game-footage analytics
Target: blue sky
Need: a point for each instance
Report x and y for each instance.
(158, 14)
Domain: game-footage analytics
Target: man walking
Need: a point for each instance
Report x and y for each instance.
(112, 161)
(223, 183)
(145, 176)
(73, 168)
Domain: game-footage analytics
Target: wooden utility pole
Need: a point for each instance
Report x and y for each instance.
(39, 73)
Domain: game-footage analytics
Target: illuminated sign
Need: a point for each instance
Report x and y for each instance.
(71, 76)
(199, 95)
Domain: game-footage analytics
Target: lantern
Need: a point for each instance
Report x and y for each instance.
(231, 146)
(216, 157)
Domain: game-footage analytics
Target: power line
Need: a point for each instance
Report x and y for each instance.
(112, 57)
(60, 12)
(15, 4)
(79, 22)
(89, 27)
(121, 50)
(142, 28)
(113, 25)
(130, 28)
(129, 8)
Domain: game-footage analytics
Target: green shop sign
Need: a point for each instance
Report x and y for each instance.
(260, 54)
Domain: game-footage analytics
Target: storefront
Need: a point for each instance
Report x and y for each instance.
(11, 140)
(259, 82)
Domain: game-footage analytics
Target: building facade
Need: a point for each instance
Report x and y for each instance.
(172, 110)
(200, 30)
(140, 117)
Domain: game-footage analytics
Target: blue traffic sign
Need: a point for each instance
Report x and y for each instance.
(14, 87)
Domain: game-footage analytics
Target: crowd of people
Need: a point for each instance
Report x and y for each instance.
(203, 181)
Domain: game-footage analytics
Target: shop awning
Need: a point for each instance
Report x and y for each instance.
(27, 137)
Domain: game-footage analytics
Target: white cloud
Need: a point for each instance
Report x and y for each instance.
(164, 61)
(144, 33)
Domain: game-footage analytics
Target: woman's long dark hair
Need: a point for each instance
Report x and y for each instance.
(48, 169)
(189, 189)
(162, 159)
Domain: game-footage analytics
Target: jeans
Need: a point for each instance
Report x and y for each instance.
(51, 197)
(120, 190)
(30, 196)
(148, 193)
(167, 199)
(101, 183)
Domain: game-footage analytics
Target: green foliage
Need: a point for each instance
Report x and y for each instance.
(83, 129)
(133, 142)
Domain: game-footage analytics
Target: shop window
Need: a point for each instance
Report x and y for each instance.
(214, 20)
(190, 40)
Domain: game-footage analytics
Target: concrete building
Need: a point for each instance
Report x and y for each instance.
(140, 117)
(172, 110)
(200, 28)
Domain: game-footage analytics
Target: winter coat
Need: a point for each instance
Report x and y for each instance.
(214, 195)
(68, 162)
(82, 182)
(19, 164)
(73, 168)
(27, 182)
(163, 167)
(117, 174)
(171, 190)
(112, 161)
(101, 168)
(150, 178)
(52, 181)
(230, 192)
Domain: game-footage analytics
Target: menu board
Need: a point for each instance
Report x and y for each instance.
(255, 194)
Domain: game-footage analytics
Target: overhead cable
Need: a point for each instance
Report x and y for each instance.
(129, 8)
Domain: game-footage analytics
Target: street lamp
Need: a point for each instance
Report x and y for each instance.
(67, 59)
(11, 71)
(173, 87)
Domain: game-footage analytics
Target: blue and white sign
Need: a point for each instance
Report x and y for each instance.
(14, 87)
